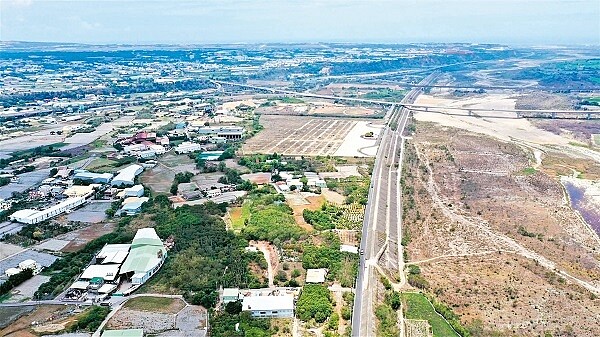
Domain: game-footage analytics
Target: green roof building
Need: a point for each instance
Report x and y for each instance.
(145, 258)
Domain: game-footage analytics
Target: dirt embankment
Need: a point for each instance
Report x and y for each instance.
(495, 238)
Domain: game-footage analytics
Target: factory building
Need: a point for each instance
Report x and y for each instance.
(227, 132)
(96, 178)
(126, 176)
(32, 216)
(145, 258)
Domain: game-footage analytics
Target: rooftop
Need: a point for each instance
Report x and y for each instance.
(258, 303)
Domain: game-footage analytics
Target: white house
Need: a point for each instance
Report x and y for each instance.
(269, 306)
(126, 176)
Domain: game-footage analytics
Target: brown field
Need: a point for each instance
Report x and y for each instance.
(495, 240)
(81, 237)
(314, 202)
(160, 177)
(42, 314)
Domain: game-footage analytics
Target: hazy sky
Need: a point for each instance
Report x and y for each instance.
(213, 21)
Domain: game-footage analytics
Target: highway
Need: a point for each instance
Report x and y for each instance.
(405, 103)
(382, 225)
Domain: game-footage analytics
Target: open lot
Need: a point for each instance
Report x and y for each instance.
(160, 177)
(7, 249)
(93, 212)
(79, 238)
(25, 290)
(168, 317)
(297, 135)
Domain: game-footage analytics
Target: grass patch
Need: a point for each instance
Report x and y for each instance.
(291, 100)
(528, 171)
(101, 165)
(596, 140)
(578, 144)
(239, 215)
(154, 304)
(417, 306)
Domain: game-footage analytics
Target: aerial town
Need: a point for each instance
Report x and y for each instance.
(299, 190)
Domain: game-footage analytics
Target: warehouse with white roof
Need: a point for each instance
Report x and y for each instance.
(126, 176)
(32, 216)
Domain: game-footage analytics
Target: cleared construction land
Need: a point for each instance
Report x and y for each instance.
(307, 136)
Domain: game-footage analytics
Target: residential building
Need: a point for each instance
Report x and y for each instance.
(231, 295)
(269, 306)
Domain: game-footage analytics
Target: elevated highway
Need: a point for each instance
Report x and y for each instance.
(519, 113)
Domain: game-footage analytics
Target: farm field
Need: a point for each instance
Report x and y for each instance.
(298, 136)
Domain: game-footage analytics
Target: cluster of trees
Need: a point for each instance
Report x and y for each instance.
(181, 177)
(15, 280)
(314, 302)
(90, 319)
(258, 163)
(271, 219)
(4, 181)
(223, 323)
(326, 255)
(34, 233)
(45, 150)
(415, 278)
(205, 255)
(325, 218)
(356, 189)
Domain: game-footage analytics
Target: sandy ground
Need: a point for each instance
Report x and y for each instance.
(333, 196)
(505, 129)
(355, 144)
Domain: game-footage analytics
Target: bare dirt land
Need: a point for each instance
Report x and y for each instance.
(42, 314)
(312, 203)
(79, 238)
(162, 316)
(297, 135)
(543, 101)
(315, 107)
(160, 177)
(496, 239)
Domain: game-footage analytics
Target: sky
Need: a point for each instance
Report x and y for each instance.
(524, 22)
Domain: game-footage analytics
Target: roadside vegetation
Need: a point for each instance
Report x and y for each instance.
(417, 306)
